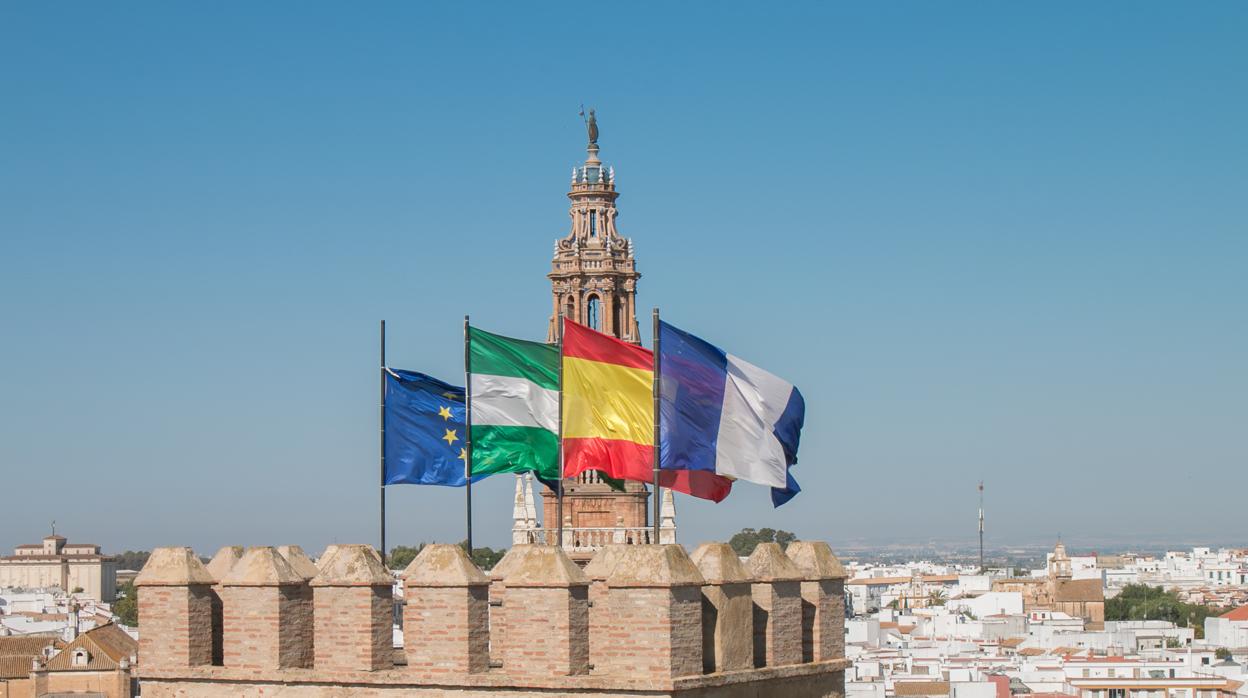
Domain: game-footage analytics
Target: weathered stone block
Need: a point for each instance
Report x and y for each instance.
(598, 569)
(727, 609)
(175, 603)
(823, 600)
(267, 613)
(546, 597)
(446, 615)
(218, 567)
(654, 597)
(353, 609)
(777, 595)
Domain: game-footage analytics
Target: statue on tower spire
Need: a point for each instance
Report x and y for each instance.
(591, 125)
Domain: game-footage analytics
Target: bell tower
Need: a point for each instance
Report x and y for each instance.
(593, 279)
(593, 274)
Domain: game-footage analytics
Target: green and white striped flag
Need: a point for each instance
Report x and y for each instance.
(515, 405)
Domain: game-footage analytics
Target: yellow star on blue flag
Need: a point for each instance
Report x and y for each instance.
(424, 419)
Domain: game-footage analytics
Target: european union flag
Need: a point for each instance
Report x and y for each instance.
(425, 431)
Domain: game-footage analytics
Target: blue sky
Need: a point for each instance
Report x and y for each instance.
(988, 241)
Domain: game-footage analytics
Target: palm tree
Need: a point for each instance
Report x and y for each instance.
(936, 598)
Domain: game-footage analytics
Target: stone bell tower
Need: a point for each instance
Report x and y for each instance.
(594, 275)
(594, 282)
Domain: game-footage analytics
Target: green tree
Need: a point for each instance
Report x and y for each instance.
(744, 542)
(485, 558)
(131, 559)
(936, 598)
(126, 607)
(1143, 602)
(1222, 653)
(402, 555)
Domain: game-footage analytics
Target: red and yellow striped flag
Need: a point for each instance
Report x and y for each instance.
(608, 414)
(608, 405)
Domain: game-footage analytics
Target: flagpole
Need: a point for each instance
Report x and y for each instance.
(559, 492)
(468, 435)
(382, 439)
(657, 376)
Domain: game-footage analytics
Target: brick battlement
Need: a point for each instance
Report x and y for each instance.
(639, 620)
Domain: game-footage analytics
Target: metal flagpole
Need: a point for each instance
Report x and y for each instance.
(559, 492)
(383, 442)
(657, 375)
(468, 434)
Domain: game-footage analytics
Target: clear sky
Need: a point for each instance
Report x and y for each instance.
(1004, 241)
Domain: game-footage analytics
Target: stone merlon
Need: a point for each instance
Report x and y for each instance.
(639, 620)
(442, 564)
(173, 567)
(262, 566)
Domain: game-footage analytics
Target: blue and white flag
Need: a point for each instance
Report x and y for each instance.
(720, 413)
(425, 432)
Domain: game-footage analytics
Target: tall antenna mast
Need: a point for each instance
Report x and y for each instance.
(981, 526)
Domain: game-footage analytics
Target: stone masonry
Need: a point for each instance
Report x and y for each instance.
(654, 621)
(823, 600)
(353, 604)
(647, 627)
(267, 613)
(175, 602)
(727, 609)
(777, 606)
(446, 615)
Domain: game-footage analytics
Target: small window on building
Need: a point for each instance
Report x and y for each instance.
(80, 657)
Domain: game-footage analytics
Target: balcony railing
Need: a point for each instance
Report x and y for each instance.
(590, 539)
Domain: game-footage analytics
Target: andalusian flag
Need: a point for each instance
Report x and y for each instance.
(515, 405)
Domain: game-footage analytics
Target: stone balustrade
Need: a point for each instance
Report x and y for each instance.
(639, 619)
(586, 539)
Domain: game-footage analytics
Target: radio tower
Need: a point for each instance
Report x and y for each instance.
(981, 526)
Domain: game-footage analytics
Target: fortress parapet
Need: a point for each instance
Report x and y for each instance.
(823, 600)
(638, 620)
(727, 609)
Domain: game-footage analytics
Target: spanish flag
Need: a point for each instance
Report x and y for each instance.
(608, 414)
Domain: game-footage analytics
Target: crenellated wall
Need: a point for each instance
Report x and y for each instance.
(640, 620)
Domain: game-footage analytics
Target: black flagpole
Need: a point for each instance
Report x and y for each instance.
(559, 492)
(468, 434)
(383, 442)
(657, 375)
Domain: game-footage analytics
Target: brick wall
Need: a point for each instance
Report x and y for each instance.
(352, 628)
(547, 631)
(177, 625)
(777, 623)
(267, 627)
(446, 630)
(648, 634)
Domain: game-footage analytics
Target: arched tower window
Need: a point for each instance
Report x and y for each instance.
(593, 224)
(593, 313)
(569, 307)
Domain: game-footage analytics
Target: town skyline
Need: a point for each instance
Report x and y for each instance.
(1022, 270)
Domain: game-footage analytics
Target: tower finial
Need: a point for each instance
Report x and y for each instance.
(591, 125)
